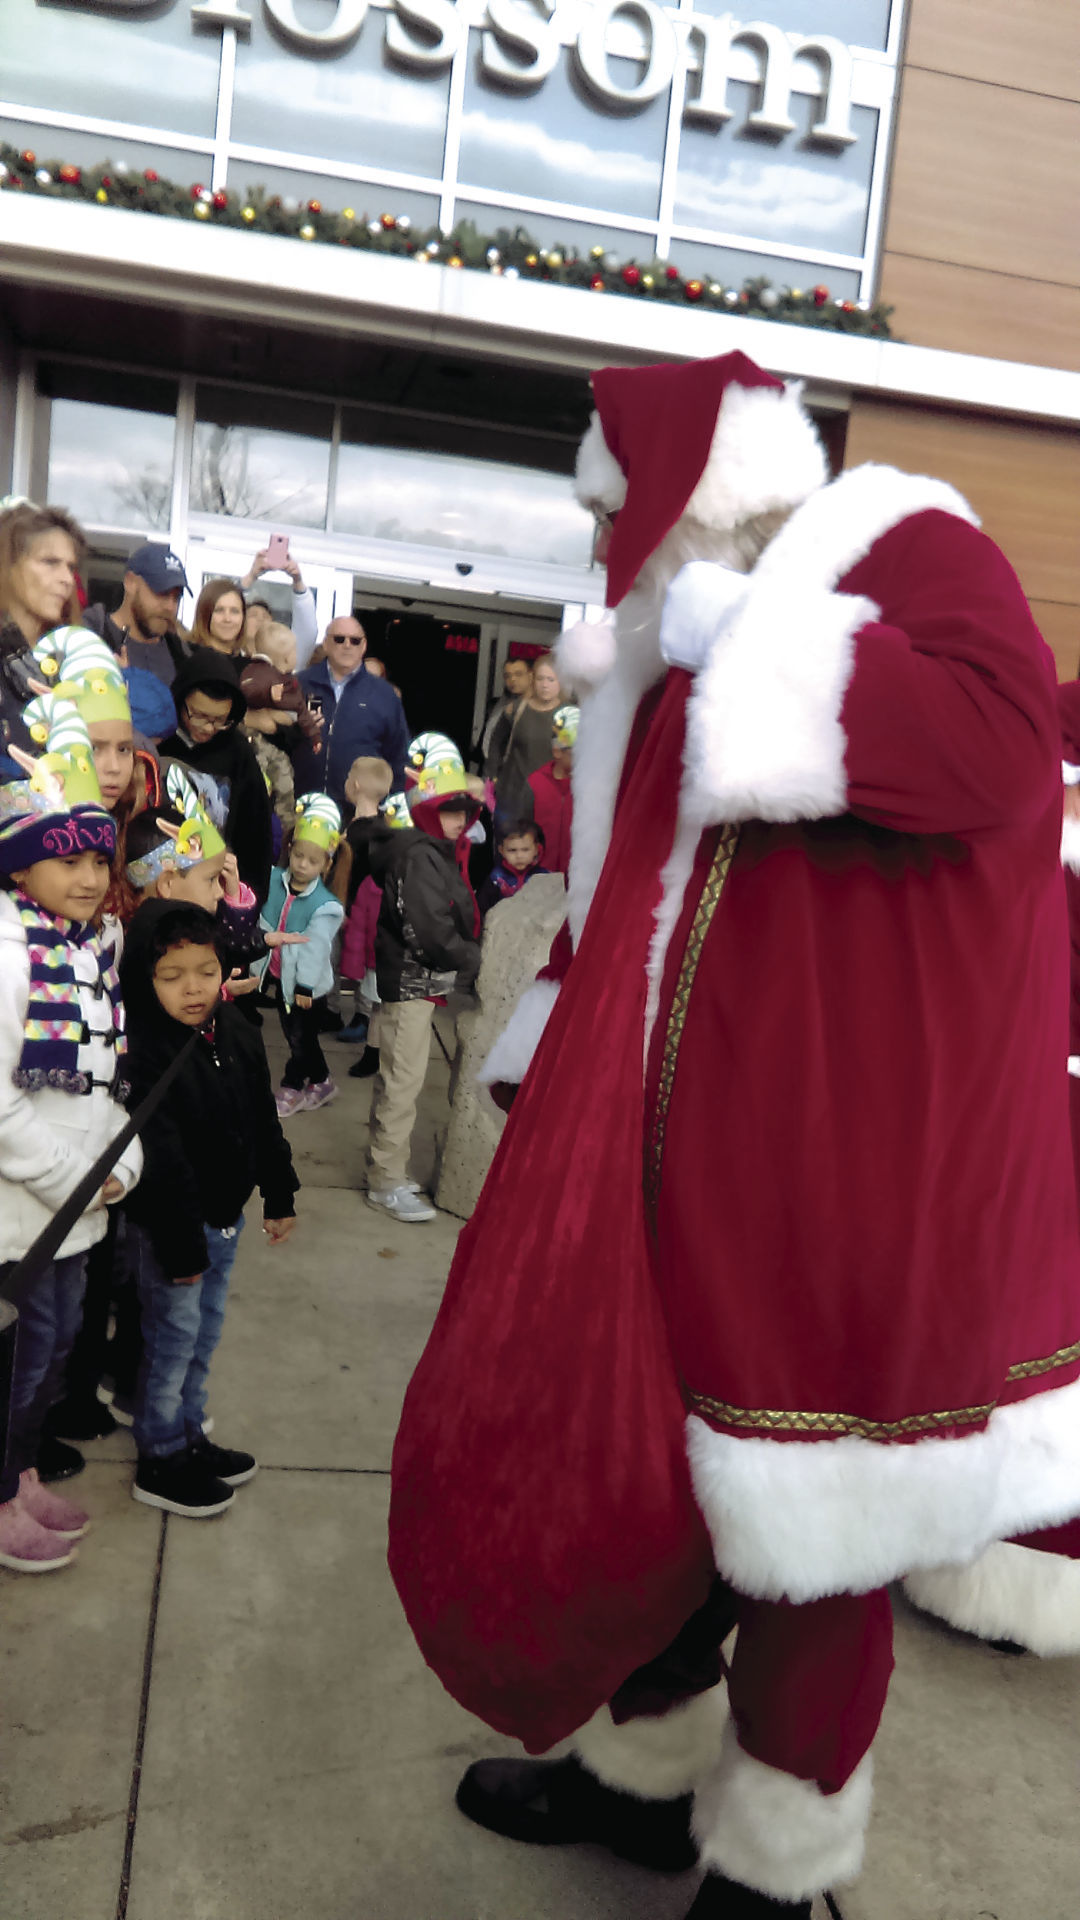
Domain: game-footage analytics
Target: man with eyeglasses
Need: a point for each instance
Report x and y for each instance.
(362, 715)
(209, 740)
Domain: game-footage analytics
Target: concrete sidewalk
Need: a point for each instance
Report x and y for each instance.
(230, 1721)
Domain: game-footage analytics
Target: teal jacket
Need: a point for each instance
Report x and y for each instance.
(315, 912)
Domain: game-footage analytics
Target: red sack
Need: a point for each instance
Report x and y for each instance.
(544, 1538)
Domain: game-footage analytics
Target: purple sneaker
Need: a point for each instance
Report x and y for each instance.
(289, 1100)
(319, 1095)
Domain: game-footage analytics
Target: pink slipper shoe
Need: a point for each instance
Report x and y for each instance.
(27, 1548)
(49, 1510)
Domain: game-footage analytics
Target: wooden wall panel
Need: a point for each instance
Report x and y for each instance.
(967, 310)
(1022, 479)
(1060, 628)
(985, 177)
(1015, 43)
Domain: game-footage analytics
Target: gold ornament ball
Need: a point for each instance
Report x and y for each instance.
(532, 259)
(247, 215)
(596, 253)
(647, 280)
(715, 289)
(553, 259)
(307, 233)
(348, 214)
(455, 260)
(101, 197)
(796, 293)
(200, 210)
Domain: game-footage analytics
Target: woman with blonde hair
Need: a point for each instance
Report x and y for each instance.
(521, 742)
(41, 549)
(219, 617)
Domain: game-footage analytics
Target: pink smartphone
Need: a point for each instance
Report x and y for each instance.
(277, 551)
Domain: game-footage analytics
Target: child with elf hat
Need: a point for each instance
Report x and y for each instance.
(301, 903)
(801, 1313)
(212, 1139)
(552, 791)
(61, 1088)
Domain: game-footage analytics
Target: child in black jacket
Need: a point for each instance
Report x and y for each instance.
(427, 945)
(213, 1138)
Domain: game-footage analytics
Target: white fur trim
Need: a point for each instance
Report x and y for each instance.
(511, 1056)
(1070, 842)
(585, 654)
(765, 453)
(838, 525)
(599, 481)
(659, 1757)
(780, 1835)
(763, 733)
(1011, 1593)
(798, 1519)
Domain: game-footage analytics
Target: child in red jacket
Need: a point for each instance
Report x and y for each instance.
(552, 793)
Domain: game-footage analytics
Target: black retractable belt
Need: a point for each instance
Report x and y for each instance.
(16, 1283)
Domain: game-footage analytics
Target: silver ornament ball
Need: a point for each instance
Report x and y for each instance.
(731, 298)
(769, 298)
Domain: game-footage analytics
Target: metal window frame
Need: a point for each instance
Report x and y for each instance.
(448, 189)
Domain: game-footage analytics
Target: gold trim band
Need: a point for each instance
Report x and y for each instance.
(766, 1420)
(702, 921)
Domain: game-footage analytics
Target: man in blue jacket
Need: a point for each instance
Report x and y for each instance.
(362, 715)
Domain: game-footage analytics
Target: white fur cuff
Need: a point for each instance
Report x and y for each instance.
(777, 1834)
(585, 654)
(511, 1056)
(1011, 1593)
(1070, 842)
(764, 740)
(701, 603)
(660, 1757)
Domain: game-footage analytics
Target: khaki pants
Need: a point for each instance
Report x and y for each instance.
(404, 1047)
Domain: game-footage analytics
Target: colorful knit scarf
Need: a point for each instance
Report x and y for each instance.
(55, 1032)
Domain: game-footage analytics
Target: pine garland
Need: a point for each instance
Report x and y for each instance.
(510, 254)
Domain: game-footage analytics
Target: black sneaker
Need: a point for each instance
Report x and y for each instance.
(180, 1484)
(366, 1066)
(79, 1420)
(224, 1463)
(55, 1461)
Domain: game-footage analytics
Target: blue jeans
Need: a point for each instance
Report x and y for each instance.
(181, 1327)
(48, 1322)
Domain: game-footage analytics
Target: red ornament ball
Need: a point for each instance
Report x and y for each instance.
(221, 201)
(388, 221)
(314, 206)
(197, 189)
(821, 294)
(151, 178)
(28, 157)
(694, 289)
(70, 175)
(849, 306)
(631, 276)
(105, 180)
(671, 273)
(598, 283)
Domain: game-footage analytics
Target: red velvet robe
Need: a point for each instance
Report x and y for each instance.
(858, 1245)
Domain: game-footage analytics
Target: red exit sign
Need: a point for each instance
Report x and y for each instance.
(462, 643)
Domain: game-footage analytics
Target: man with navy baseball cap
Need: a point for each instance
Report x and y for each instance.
(144, 624)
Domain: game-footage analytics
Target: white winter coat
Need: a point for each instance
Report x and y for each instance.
(50, 1139)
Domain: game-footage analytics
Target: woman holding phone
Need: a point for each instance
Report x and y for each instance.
(219, 617)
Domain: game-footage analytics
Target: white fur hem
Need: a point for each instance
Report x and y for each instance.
(1011, 1593)
(511, 1056)
(1070, 842)
(763, 737)
(660, 1757)
(799, 1519)
(777, 1834)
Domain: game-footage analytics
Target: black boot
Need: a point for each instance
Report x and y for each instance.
(721, 1899)
(79, 1419)
(366, 1066)
(552, 1803)
(56, 1461)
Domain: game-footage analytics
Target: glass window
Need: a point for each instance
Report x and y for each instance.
(349, 105)
(367, 202)
(261, 457)
(70, 60)
(858, 23)
(110, 446)
(732, 267)
(557, 229)
(559, 143)
(57, 144)
(736, 181)
(441, 500)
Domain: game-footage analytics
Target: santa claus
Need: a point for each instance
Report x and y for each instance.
(796, 1309)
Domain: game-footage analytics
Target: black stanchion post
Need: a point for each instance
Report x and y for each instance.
(8, 1321)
